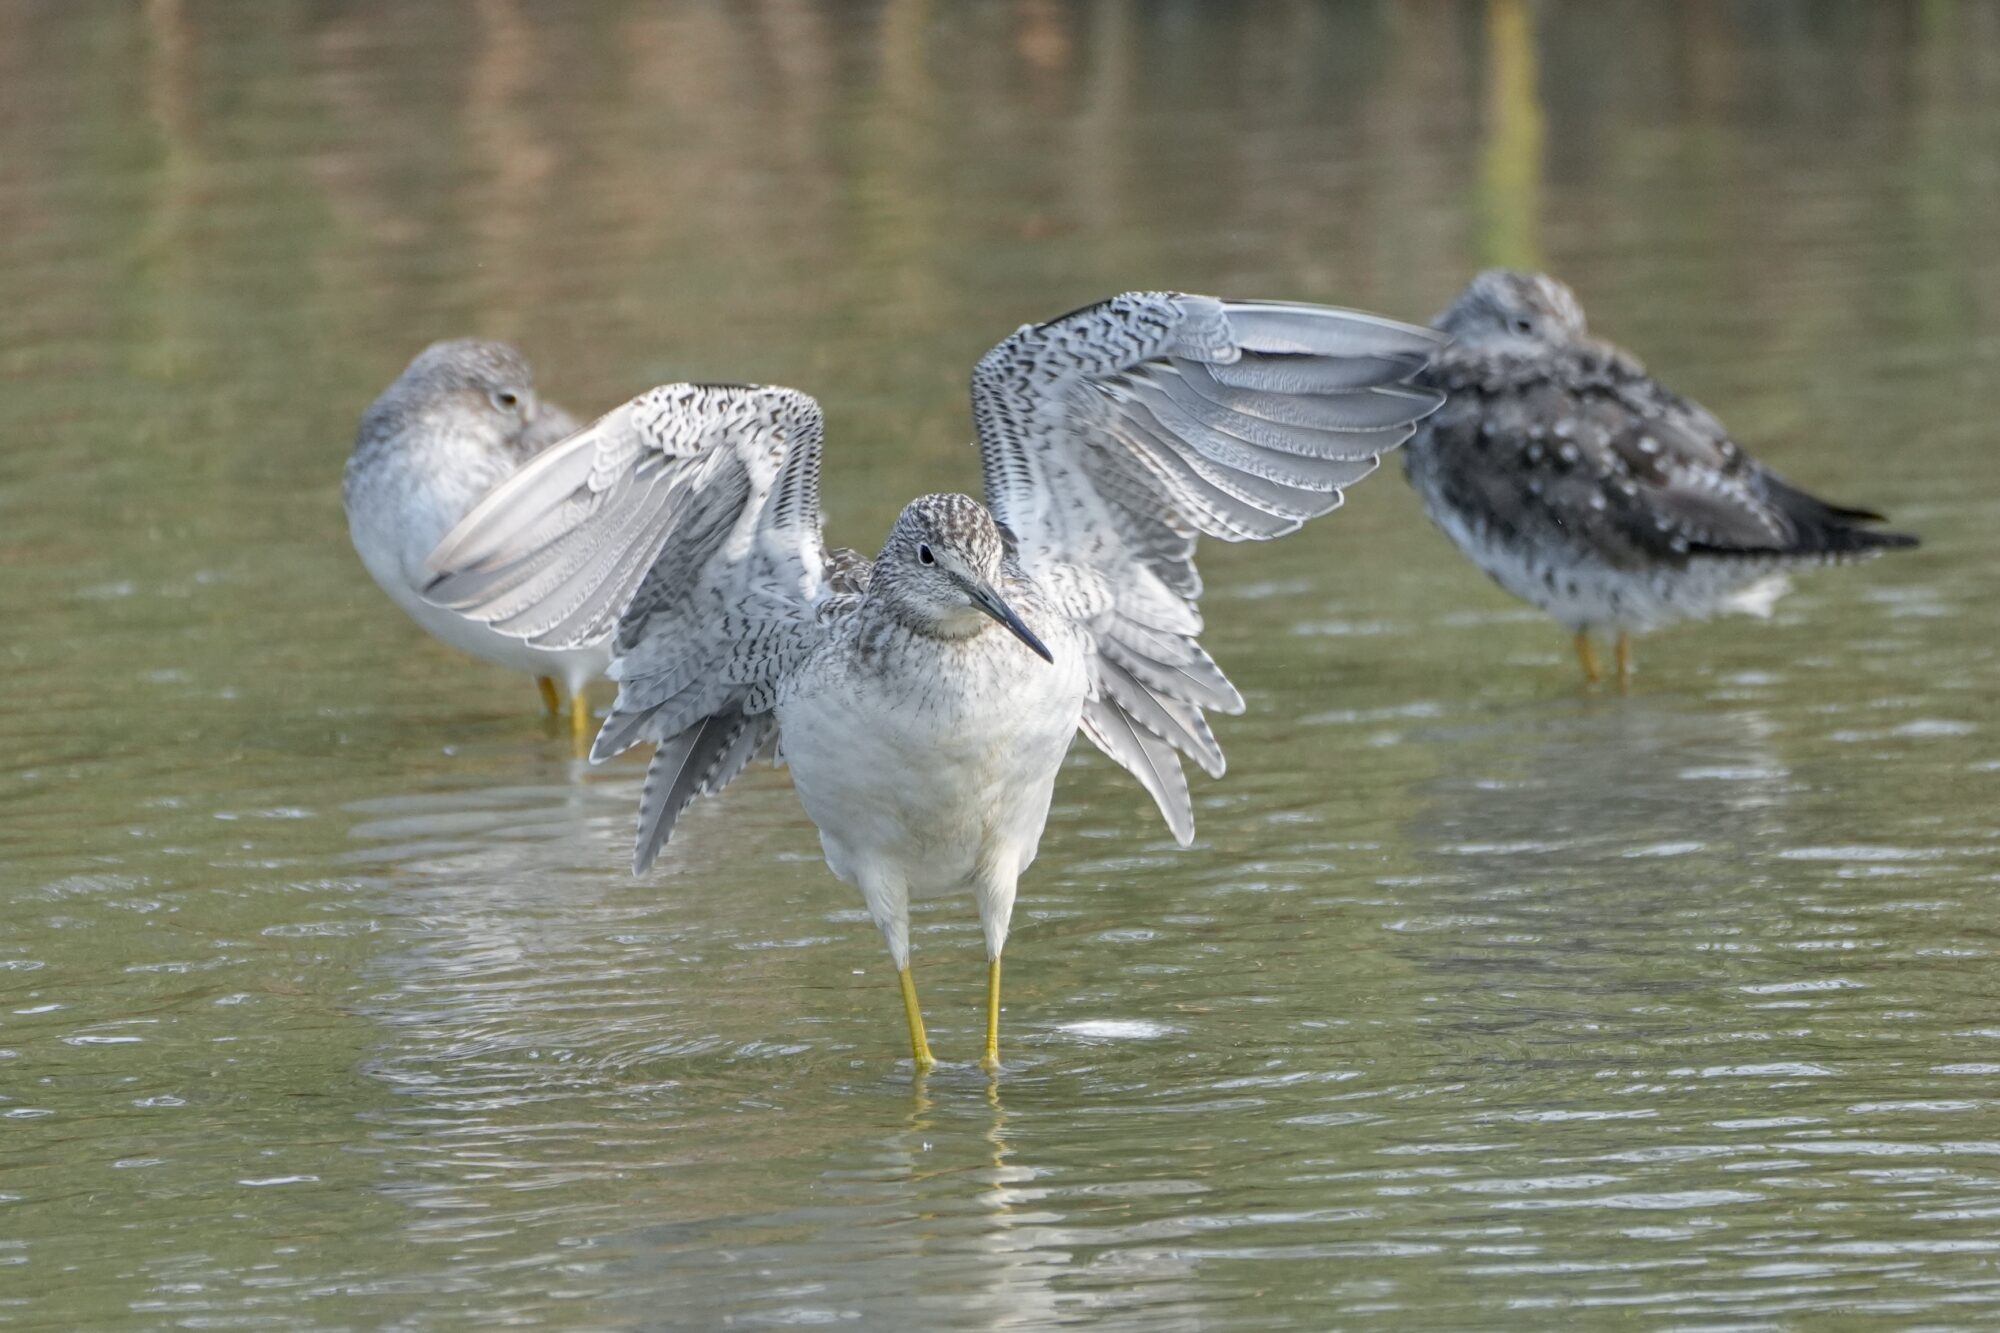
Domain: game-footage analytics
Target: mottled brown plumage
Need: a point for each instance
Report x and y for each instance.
(1583, 485)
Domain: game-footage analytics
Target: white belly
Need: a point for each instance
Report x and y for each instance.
(938, 779)
(1584, 592)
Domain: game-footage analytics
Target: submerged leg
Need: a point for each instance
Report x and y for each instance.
(920, 1046)
(582, 726)
(550, 699)
(991, 1061)
(1624, 661)
(1586, 656)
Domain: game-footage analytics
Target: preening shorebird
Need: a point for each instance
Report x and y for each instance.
(459, 421)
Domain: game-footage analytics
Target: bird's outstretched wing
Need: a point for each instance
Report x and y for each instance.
(688, 519)
(1582, 444)
(1112, 437)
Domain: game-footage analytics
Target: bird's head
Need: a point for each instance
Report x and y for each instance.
(939, 572)
(1504, 305)
(467, 385)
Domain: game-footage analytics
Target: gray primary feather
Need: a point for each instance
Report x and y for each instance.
(1110, 439)
(690, 519)
(604, 521)
(1114, 436)
(699, 761)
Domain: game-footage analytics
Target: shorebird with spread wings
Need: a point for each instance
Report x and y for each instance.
(924, 700)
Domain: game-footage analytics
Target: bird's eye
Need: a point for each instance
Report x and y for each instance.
(506, 399)
(924, 556)
(1522, 324)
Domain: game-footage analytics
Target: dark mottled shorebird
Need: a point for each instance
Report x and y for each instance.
(1580, 483)
(459, 421)
(925, 700)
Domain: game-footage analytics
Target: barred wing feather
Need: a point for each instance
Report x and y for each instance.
(690, 520)
(1113, 437)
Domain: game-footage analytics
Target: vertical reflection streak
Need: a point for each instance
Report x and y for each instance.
(1510, 176)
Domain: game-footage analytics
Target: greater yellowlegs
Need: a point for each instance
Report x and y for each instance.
(925, 700)
(1583, 485)
(461, 419)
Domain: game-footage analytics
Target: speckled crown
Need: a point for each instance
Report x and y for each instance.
(957, 522)
(1493, 300)
(468, 362)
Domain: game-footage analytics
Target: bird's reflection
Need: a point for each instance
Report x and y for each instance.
(555, 1025)
(498, 833)
(1576, 847)
(938, 1189)
(1578, 782)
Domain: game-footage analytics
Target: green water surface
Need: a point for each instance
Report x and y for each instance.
(1482, 1001)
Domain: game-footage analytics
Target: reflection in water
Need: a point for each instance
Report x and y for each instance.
(497, 828)
(1563, 844)
(170, 275)
(1480, 1002)
(509, 76)
(528, 1047)
(1510, 177)
(937, 1196)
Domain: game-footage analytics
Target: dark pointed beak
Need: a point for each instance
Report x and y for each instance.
(990, 602)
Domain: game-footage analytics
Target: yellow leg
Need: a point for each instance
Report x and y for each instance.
(1587, 656)
(550, 699)
(582, 726)
(992, 1060)
(920, 1046)
(1624, 662)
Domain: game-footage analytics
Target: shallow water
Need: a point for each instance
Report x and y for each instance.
(1482, 1001)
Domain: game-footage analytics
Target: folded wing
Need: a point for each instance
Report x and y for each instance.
(1587, 446)
(689, 519)
(1115, 436)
